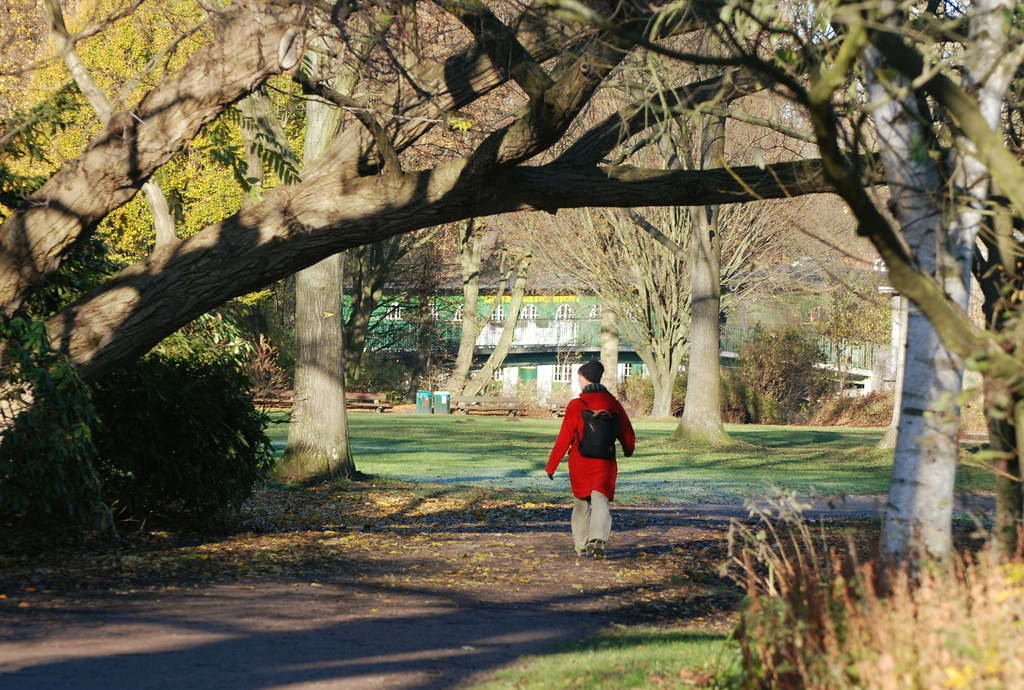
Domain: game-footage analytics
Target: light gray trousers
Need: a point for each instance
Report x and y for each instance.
(591, 519)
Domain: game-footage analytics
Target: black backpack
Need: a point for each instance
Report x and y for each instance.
(600, 431)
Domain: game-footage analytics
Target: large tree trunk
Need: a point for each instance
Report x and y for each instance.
(318, 441)
(318, 444)
(918, 518)
(988, 73)
(702, 412)
(919, 515)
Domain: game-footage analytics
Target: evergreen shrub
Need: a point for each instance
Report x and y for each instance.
(47, 470)
(179, 434)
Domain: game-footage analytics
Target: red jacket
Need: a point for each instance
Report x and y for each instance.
(590, 474)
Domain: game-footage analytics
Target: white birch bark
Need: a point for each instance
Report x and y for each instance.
(920, 508)
(919, 512)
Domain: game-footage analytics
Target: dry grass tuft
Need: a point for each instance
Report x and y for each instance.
(816, 618)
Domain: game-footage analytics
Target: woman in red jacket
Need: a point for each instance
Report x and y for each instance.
(592, 478)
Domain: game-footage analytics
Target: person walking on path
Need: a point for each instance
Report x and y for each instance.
(594, 420)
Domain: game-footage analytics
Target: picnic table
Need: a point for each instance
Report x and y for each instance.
(283, 399)
(557, 406)
(366, 401)
(488, 404)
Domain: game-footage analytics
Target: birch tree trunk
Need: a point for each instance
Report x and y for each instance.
(899, 354)
(919, 513)
(988, 73)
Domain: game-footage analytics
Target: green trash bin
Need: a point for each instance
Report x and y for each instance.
(442, 403)
(423, 402)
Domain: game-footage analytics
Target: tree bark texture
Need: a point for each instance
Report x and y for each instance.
(610, 347)
(918, 520)
(318, 445)
(318, 440)
(702, 411)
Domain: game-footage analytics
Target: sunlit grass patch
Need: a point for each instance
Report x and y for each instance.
(509, 456)
(622, 657)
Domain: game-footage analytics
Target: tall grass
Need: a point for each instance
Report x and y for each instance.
(817, 618)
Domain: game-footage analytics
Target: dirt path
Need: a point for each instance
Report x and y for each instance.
(419, 598)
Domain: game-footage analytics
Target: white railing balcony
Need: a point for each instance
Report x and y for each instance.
(549, 333)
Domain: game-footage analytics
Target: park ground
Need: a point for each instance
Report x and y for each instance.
(390, 584)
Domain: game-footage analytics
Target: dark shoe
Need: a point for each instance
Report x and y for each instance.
(580, 552)
(597, 548)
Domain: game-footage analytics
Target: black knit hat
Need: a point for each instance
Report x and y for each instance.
(592, 371)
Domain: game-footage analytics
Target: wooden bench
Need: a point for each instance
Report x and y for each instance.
(366, 401)
(488, 404)
(273, 399)
(557, 406)
(283, 399)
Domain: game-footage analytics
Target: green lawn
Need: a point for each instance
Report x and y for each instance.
(496, 453)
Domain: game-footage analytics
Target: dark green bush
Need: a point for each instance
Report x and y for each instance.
(784, 366)
(178, 437)
(46, 449)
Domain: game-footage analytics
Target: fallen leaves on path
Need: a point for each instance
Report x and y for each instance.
(484, 547)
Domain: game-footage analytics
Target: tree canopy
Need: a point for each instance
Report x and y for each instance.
(405, 162)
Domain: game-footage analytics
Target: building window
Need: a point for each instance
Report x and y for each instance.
(435, 312)
(626, 369)
(529, 312)
(563, 373)
(458, 314)
(564, 312)
(595, 311)
(499, 313)
(394, 313)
